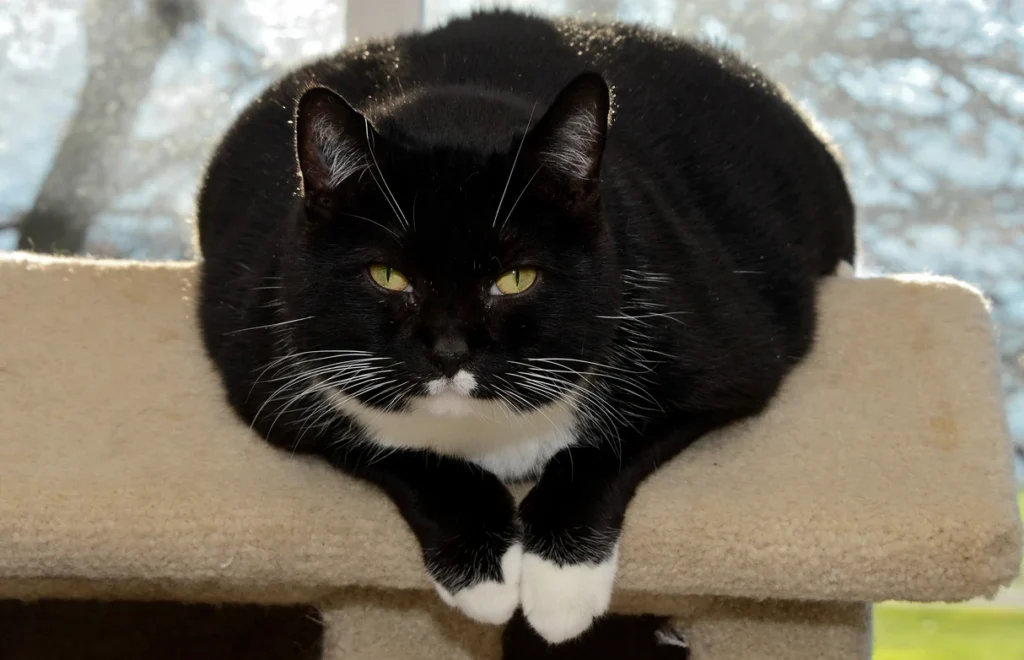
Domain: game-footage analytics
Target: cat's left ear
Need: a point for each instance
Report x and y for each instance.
(569, 139)
(332, 141)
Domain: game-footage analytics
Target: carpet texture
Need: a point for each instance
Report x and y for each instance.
(882, 471)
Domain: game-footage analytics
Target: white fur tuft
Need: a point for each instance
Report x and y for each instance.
(461, 384)
(575, 145)
(561, 602)
(338, 155)
(527, 457)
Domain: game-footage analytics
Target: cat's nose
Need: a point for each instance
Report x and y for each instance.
(449, 354)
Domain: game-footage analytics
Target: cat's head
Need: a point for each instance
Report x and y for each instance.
(441, 274)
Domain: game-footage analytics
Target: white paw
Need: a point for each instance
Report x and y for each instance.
(490, 601)
(846, 269)
(561, 602)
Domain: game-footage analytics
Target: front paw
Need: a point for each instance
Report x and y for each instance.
(488, 599)
(561, 600)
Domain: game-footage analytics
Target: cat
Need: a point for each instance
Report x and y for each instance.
(516, 248)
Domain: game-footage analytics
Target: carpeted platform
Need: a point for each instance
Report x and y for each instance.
(882, 471)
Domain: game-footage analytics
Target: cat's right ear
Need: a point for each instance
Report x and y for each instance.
(332, 141)
(570, 136)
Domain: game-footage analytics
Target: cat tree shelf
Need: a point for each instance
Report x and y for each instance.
(882, 471)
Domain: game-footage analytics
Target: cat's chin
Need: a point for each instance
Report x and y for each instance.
(447, 404)
(449, 397)
(462, 383)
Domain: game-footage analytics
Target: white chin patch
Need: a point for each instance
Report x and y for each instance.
(490, 601)
(561, 602)
(447, 405)
(446, 418)
(450, 397)
(462, 383)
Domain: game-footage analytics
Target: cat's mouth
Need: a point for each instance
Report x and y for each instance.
(450, 397)
(462, 384)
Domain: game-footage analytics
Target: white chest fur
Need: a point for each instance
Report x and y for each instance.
(486, 432)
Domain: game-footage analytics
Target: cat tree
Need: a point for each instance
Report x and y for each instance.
(882, 471)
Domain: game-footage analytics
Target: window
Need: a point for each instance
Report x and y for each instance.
(110, 113)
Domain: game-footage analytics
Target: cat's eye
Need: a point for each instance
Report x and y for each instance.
(389, 278)
(514, 281)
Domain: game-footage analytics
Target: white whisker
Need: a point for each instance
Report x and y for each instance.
(513, 168)
(639, 317)
(269, 325)
(516, 203)
(558, 361)
(392, 200)
(374, 222)
(539, 410)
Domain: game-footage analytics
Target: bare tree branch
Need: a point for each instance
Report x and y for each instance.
(81, 181)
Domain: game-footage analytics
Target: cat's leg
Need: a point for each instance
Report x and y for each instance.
(464, 518)
(572, 520)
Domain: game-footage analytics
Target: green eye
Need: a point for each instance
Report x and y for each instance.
(389, 278)
(514, 281)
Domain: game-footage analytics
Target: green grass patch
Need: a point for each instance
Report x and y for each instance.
(948, 632)
(907, 631)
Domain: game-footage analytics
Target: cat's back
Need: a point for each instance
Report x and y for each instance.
(488, 72)
(680, 107)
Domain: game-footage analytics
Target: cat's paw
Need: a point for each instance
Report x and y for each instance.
(560, 602)
(490, 601)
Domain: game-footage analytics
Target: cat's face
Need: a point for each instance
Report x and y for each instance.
(444, 275)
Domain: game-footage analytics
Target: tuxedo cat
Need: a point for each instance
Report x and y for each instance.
(514, 248)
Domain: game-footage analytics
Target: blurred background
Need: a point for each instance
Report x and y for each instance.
(111, 107)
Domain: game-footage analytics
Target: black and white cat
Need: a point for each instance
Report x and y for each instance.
(513, 248)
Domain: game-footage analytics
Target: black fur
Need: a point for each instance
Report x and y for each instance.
(678, 257)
